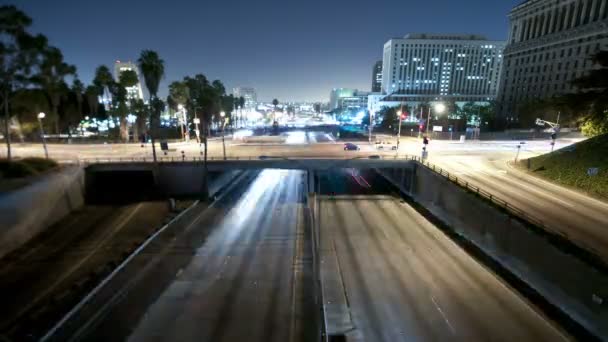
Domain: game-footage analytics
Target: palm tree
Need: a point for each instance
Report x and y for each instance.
(153, 69)
(138, 107)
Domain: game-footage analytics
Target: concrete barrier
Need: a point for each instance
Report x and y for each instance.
(579, 290)
(28, 211)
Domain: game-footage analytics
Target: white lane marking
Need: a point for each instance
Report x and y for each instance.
(447, 321)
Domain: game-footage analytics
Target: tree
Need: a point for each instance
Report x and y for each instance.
(139, 109)
(592, 97)
(91, 94)
(122, 103)
(179, 95)
(317, 108)
(19, 56)
(153, 69)
(51, 78)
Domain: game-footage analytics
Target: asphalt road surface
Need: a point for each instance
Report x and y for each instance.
(580, 218)
(406, 281)
(236, 272)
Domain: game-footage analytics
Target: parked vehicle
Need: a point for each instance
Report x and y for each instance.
(351, 147)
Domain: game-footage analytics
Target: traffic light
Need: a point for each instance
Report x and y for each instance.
(404, 115)
(553, 136)
(425, 140)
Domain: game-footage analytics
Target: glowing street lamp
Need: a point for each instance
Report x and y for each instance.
(41, 116)
(222, 115)
(439, 108)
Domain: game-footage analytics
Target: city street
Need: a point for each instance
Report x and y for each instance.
(406, 281)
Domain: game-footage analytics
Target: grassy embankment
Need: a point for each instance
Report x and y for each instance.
(568, 166)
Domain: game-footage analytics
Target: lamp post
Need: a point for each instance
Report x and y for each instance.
(222, 115)
(439, 108)
(41, 116)
(400, 115)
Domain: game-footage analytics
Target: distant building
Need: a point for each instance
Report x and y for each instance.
(429, 67)
(337, 94)
(550, 42)
(377, 77)
(134, 92)
(357, 100)
(248, 93)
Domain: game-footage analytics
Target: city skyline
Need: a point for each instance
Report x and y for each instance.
(290, 52)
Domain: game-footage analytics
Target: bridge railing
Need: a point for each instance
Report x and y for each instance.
(513, 210)
(87, 161)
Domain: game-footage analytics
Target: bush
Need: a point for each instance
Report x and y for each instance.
(40, 164)
(15, 169)
(25, 167)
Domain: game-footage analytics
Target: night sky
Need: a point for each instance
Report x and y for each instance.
(290, 49)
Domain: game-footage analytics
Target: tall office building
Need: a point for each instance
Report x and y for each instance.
(134, 92)
(377, 77)
(248, 93)
(550, 42)
(429, 67)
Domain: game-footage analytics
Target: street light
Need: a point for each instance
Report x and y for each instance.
(439, 108)
(41, 116)
(222, 115)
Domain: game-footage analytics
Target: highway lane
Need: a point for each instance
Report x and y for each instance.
(406, 281)
(582, 219)
(235, 273)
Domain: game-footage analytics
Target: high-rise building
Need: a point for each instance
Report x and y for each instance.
(377, 77)
(134, 92)
(550, 42)
(248, 93)
(429, 67)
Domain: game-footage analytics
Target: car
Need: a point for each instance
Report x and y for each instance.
(385, 145)
(351, 147)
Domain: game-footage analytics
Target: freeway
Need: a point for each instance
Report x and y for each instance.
(406, 281)
(237, 271)
(483, 164)
(580, 218)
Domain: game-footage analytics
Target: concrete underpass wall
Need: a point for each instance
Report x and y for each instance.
(28, 211)
(569, 284)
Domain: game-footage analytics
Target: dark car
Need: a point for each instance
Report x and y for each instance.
(351, 147)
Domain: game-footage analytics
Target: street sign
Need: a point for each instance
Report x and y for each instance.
(437, 128)
(593, 171)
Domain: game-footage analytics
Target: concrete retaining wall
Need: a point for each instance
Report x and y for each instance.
(569, 284)
(27, 211)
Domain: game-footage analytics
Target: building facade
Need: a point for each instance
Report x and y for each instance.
(377, 77)
(550, 42)
(248, 93)
(136, 91)
(429, 67)
(338, 93)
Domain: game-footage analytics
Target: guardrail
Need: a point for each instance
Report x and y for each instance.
(593, 255)
(87, 161)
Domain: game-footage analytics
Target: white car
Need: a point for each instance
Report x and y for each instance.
(385, 145)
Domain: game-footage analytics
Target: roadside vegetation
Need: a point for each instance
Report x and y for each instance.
(25, 167)
(570, 166)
